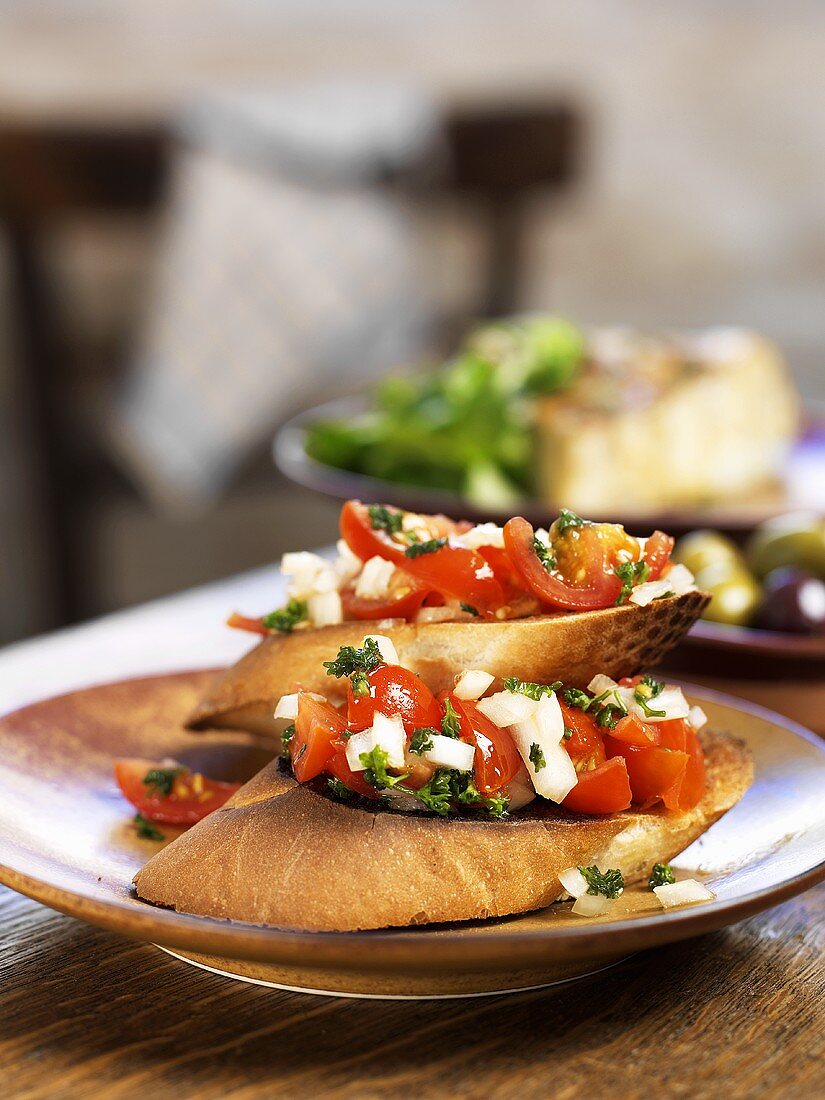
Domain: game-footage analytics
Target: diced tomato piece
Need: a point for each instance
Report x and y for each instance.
(338, 767)
(317, 728)
(405, 596)
(604, 790)
(192, 795)
(244, 622)
(653, 771)
(453, 571)
(394, 690)
(687, 791)
(586, 746)
(633, 731)
(658, 549)
(497, 760)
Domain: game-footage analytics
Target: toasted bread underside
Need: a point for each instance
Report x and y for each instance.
(619, 641)
(282, 854)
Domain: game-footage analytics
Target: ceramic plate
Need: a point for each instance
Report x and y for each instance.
(801, 486)
(66, 840)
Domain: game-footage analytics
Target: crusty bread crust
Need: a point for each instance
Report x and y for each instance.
(282, 854)
(619, 641)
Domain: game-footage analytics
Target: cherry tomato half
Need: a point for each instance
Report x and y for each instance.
(604, 790)
(497, 760)
(394, 690)
(586, 745)
(403, 599)
(687, 791)
(191, 797)
(653, 771)
(317, 728)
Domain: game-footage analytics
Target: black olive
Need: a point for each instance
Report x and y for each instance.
(794, 601)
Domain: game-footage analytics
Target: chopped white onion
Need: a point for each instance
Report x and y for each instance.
(542, 535)
(374, 580)
(449, 752)
(472, 683)
(387, 734)
(573, 881)
(601, 683)
(505, 708)
(484, 534)
(557, 777)
(646, 593)
(347, 565)
(686, 892)
(670, 702)
(697, 718)
(591, 905)
(520, 790)
(386, 648)
(308, 574)
(400, 800)
(325, 609)
(287, 707)
(680, 578)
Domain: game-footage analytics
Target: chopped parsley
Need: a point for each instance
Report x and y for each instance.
(375, 769)
(360, 685)
(532, 691)
(448, 787)
(286, 741)
(568, 519)
(161, 780)
(537, 757)
(468, 607)
(145, 829)
(630, 573)
(648, 689)
(609, 714)
(576, 698)
(450, 723)
(568, 733)
(496, 805)
(286, 617)
(608, 883)
(351, 659)
(339, 790)
(385, 519)
(661, 875)
(422, 740)
(436, 795)
(417, 549)
(544, 554)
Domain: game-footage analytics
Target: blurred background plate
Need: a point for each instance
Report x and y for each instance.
(802, 486)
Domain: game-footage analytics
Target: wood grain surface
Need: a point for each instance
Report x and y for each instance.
(739, 1013)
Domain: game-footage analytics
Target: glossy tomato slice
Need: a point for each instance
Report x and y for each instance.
(687, 791)
(244, 622)
(604, 790)
(598, 589)
(405, 596)
(192, 795)
(653, 771)
(658, 549)
(497, 759)
(633, 731)
(317, 728)
(338, 767)
(394, 690)
(454, 571)
(586, 745)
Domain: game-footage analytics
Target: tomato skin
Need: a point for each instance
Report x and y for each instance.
(633, 731)
(171, 809)
(317, 729)
(604, 790)
(244, 622)
(453, 570)
(497, 760)
(586, 747)
(687, 791)
(601, 591)
(394, 691)
(403, 600)
(658, 549)
(338, 767)
(653, 771)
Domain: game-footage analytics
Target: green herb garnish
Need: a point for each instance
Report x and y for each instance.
(608, 715)
(648, 689)
(544, 554)
(339, 790)
(609, 883)
(576, 698)
(286, 741)
(385, 519)
(537, 757)
(286, 617)
(161, 780)
(375, 769)
(661, 875)
(422, 740)
(451, 722)
(630, 573)
(532, 691)
(496, 805)
(468, 607)
(568, 733)
(566, 520)
(351, 659)
(417, 549)
(145, 829)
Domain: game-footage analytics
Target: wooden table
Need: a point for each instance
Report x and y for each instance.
(739, 1013)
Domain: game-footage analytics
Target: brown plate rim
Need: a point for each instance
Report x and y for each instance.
(746, 639)
(393, 949)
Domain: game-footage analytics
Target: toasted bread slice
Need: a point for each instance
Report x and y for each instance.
(619, 641)
(283, 854)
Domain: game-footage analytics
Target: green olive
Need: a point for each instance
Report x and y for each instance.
(700, 549)
(736, 593)
(789, 540)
